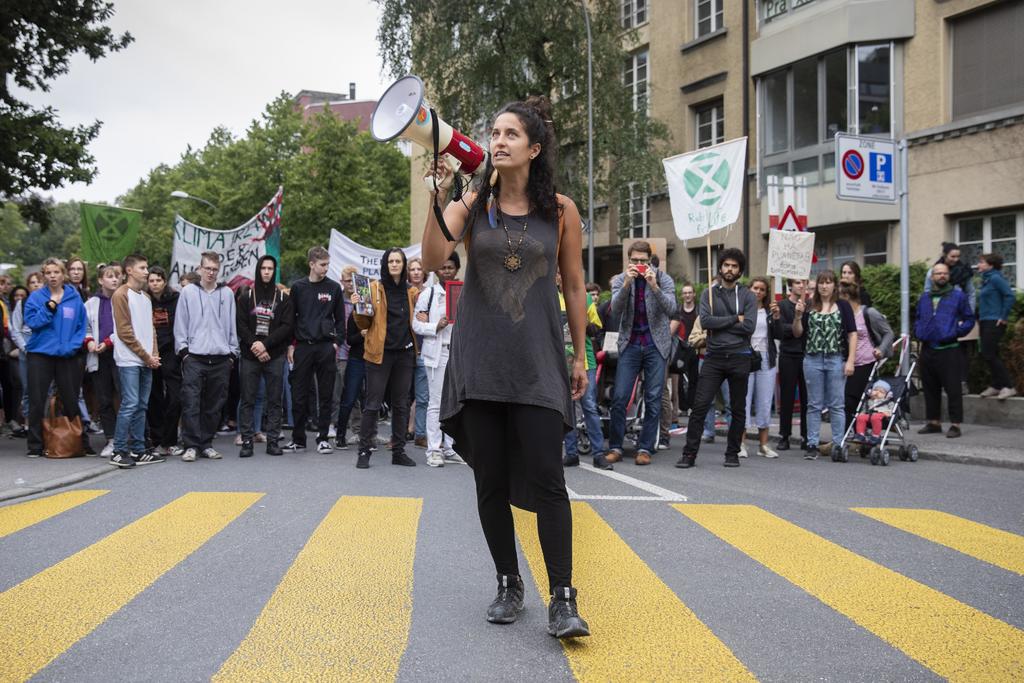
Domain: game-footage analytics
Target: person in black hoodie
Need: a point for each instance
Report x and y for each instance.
(264, 315)
(164, 410)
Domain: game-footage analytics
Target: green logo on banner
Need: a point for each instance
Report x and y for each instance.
(109, 233)
(706, 178)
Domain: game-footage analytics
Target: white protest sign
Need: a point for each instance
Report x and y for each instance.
(790, 253)
(345, 252)
(705, 187)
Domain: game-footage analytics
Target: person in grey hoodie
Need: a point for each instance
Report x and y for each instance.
(206, 341)
(728, 312)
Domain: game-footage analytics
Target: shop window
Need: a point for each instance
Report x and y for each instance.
(1001, 234)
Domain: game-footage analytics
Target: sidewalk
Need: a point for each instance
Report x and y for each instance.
(23, 476)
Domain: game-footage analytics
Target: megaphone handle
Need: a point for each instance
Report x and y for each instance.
(438, 212)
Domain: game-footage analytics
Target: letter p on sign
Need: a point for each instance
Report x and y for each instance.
(880, 167)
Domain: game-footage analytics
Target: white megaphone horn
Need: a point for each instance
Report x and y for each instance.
(402, 112)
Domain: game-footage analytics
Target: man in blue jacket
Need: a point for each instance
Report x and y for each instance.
(56, 315)
(943, 316)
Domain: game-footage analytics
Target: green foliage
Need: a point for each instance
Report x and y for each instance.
(883, 284)
(474, 57)
(23, 243)
(37, 40)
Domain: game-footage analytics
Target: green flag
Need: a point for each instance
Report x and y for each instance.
(108, 232)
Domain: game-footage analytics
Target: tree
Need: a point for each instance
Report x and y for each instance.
(37, 40)
(476, 56)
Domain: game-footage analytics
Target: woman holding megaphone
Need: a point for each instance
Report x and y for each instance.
(507, 398)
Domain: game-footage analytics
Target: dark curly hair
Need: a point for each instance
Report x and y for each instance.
(733, 254)
(535, 115)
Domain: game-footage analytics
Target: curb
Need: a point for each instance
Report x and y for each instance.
(49, 485)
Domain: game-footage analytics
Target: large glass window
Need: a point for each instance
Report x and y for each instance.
(776, 115)
(835, 94)
(874, 91)
(700, 262)
(1001, 234)
(805, 103)
(635, 78)
(709, 16)
(876, 246)
(710, 124)
(988, 59)
(634, 13)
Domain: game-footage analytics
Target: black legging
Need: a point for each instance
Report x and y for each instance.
(855, 386)
(991, 333)
(497, 434)
(391, 379)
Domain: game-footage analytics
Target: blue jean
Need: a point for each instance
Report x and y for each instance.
(760, 391)
(591, 419)
(355, 372)
(421, 387)
(631, 361)
(130, 433)
(825, 389)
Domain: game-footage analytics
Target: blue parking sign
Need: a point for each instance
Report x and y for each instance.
(880, 167)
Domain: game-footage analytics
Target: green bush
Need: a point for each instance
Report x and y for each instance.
(882, 282)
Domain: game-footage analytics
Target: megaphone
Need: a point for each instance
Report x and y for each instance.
(402, 112)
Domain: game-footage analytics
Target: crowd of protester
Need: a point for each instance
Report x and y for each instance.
(157, 369)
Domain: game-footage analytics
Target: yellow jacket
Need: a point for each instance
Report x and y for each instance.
(377, 324)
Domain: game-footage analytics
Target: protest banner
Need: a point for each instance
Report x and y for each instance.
(345, 252)
(240, 249)
(790, 253)
(109, 233)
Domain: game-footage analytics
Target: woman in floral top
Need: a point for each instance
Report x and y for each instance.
(831, 331)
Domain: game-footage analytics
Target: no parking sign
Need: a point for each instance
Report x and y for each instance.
(865, 168)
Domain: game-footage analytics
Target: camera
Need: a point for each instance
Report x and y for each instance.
(642, 269)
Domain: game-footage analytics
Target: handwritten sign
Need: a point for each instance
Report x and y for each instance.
(790, 253)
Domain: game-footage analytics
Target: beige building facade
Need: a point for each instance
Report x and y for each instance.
(946, 75)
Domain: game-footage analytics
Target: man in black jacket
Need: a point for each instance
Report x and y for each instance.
(264, 316)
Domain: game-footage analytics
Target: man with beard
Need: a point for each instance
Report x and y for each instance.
(728, 313)
(264, 317)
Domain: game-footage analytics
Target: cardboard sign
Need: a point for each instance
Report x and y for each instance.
(790, 253)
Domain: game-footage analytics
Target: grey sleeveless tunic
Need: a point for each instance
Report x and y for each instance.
(507, 339)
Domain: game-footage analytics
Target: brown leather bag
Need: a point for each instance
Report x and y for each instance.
(62, 436)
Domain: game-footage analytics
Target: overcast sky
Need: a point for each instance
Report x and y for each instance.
(197, 64)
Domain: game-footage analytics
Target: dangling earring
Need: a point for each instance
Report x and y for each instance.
(494, 178)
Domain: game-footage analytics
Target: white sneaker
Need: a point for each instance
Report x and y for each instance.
(743, 452)
(989, 393)
(212, 454)
(332, 432)
(293, 447)
(177, 451)
(766, 451)
(108, 450)
(1006, 392)
(324, 447)
(238, 440)
(451, 456)
(435, 459)
(188, 455)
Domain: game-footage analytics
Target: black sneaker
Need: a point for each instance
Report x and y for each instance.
(363, 461)
(34, 454)
(783, 444)
(400, 458)
(88, 449)
(147, 458)
(930, 428)
(811, 453)
(600, 463)
(246, 450)
(686, 462)
(953, 433)
(509, 602)
(570, 460)
(731, 460)
(273, 447)
(122, 460)
(564, 620)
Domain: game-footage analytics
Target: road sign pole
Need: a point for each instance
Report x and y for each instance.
(904, 251)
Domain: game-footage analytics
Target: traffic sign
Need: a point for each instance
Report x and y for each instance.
(865, 170)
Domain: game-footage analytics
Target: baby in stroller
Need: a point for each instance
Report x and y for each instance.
(879, 406)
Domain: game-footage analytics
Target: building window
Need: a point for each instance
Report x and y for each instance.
(804, 105)
(867, 246)
(634, 212)
(634, 13)
(876, 248)
(700, 263)
(988, 54)
(635, 79)
(709, 16)
(1001, 234)
(710, 124)
(771, 9)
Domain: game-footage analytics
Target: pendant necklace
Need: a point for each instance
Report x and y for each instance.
(513, 261)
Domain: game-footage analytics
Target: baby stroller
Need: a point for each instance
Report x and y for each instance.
(893, 440)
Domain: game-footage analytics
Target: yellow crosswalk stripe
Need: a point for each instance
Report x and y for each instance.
(952, 639)
(342, 611)
(641, 631)
(21, 515)
(50, 612)
(995, 546)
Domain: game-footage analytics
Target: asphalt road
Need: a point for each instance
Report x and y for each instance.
(302, 567)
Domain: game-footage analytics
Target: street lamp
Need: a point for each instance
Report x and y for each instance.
(590, 147)
(181, 194)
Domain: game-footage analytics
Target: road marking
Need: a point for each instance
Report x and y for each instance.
(343, 609)
(663, 494)
(22, 515)
(582, 496)
(641, 630)
(50, 612)
(988, 544)
(952, 639)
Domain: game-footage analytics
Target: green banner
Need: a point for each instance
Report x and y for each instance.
(108, 232)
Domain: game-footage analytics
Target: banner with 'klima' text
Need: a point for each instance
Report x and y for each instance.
(240, 249)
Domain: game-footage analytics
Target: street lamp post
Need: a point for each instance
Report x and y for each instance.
(181, 194)
(590, 147)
